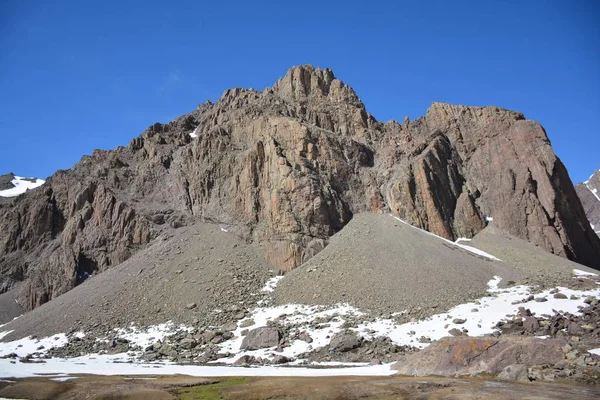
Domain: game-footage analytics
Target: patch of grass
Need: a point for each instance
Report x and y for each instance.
(211, 391)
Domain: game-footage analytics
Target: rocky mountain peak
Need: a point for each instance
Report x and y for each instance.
(305, 83)
(6, 181)
(287, 168)
(589, 193)
(594, 180)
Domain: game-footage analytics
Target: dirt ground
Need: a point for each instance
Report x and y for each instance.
(338, 388)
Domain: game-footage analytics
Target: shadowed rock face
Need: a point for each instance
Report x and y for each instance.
(286, 168)
(589, 193)
(5, 181)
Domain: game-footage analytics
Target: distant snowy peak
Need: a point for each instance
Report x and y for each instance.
(593, 184)
(589, 193)
(12, 185)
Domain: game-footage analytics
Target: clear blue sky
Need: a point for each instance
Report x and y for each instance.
(76, 76)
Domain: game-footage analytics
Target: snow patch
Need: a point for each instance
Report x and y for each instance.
(21, 185)
(115, 365)
(272, 284)
(25, 346)
(490, 310)
(291, 314)
(477, 251)
(63, 378)
(152, 334)
(193, 134)
(594, 191)
(595, 351)
(578, 272)
(493, 284)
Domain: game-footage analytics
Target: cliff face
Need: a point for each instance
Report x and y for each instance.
(286, 168)
(489, 161)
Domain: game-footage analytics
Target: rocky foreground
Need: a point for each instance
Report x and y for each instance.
(524, 348)
(534, 339)
(229, 309)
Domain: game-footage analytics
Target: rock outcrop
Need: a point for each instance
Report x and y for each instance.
(6, 181)
(61, 234)
(286, 168)
(589, 193)
(472, 356)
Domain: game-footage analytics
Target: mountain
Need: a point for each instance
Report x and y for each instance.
(589, 193)
(12, 185)
(285, 169)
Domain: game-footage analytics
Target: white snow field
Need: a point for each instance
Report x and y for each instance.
(21, 185)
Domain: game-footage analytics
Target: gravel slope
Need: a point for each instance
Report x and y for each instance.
(381, 264)
(9, 307)
(535, 264)
(376, 263)
(197, 264)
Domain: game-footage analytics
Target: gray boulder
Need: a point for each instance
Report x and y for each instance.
(515, 372)
(344, 341)
(531, 324)
(188, 343)
(261, 338)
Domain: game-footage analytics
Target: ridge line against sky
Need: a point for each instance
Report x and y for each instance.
(77, 76)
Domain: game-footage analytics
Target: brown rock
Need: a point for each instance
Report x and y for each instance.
(531, 324)
(471, 356)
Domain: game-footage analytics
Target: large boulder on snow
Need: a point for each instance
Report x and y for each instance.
(344, 341)
(261, 338)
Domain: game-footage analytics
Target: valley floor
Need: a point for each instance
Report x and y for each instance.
(317, 388)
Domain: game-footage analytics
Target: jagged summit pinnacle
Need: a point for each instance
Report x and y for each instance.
(305, 82)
